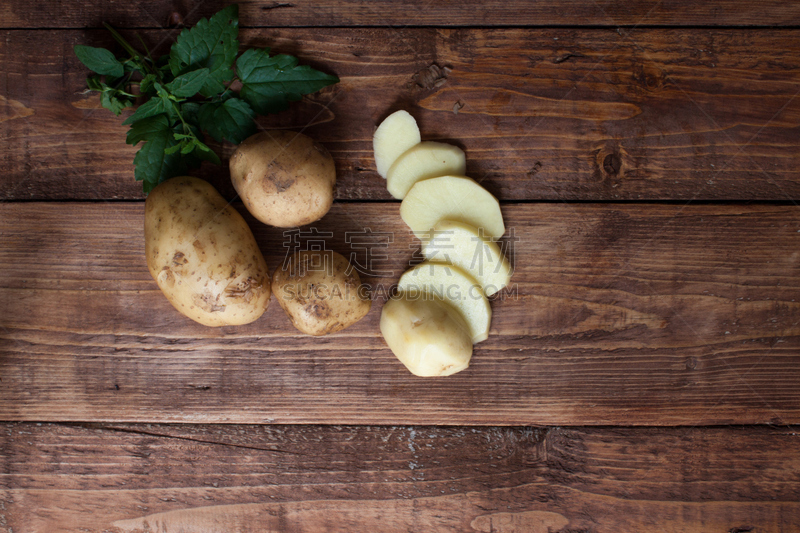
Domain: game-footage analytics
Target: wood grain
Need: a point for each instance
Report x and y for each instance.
(151, 13)
(618, 314)
(195, 479)
(556, 114)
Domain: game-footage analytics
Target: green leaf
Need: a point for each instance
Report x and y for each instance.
(187, 147)
(205, 153)
(133, 65)
(189, 112)
(188, 85)
(99, 60)
(148, 128)
(231, 120)
(270, 83)
(156, 161)
(162, 92)
(174, 148)
(146, 85)
(94, 83)
(212, 44)
(150, 108)
(112, 102)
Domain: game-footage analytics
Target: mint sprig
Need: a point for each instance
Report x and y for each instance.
(189, 91)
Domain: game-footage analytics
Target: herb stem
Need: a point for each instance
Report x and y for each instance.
(186, 129)
(124, 82)
(121, 40)
(155, 70)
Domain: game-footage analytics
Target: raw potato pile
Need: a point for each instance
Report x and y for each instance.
(207, 263)
(442, 307)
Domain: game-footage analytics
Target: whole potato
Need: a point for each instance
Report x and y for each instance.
(284, 178)
(203, 255)
(426, 334)
(320, 292)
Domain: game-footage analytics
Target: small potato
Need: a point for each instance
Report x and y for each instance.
(427, 335)
(320, 292)
(285, 179)
(203, 255)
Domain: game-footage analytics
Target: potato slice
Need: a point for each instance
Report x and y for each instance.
(427, 335)
(463, 245)
(425, 160)
(455, 286)
(455, 198)
(396, 134)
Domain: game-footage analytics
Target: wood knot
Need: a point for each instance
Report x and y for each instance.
(174, 20)
(432, 76)
(534, 169)
(650, 78)
(612, 164)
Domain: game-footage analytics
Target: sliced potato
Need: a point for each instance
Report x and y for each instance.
(455, 198)
(320, 292)
(427, 335)
(464, 246)
(455, 286)
(396, 134)
(425, 160)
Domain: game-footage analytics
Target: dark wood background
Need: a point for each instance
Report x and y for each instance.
(642, 374)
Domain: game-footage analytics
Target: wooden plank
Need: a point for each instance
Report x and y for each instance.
(618, 314)
(122, 479)
(558, 114)
(150, 14)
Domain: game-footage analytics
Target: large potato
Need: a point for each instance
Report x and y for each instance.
(203, 255)
(284, 178)
(320, 292)
(426, 334)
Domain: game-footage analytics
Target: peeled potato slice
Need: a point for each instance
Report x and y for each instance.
(425, 160)
(427, 335)
(463, 245)
(396, 134)
(450, 283)
(456, 198)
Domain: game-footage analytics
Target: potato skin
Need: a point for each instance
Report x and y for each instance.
(426, 334)
(318, 296)
(285, 179)
(203, 255)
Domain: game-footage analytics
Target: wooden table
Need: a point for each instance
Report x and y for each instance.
(642, 376)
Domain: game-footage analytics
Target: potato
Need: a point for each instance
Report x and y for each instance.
(203, 255)
(425, 160)
(451, 198)
(455, 286)
(427, 335)
(463, 245)
(320, 292)
(396, 134)
(285, 179)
